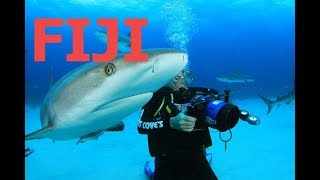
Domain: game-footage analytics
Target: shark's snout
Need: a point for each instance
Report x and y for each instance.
(169, 64)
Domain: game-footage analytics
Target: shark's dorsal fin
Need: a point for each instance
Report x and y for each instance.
(117, 127)
(52, 81)
(102, 31)
(129, 35)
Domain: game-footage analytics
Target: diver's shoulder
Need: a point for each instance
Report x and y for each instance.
(158, 97)
(164, 90)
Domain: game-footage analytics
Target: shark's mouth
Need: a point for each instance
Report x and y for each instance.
(131, 98)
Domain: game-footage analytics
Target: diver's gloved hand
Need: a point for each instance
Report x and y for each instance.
(183, 122)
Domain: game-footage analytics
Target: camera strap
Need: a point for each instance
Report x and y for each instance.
(225, 141)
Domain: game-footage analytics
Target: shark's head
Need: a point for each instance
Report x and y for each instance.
(122, 78)
(162, 66)
(97, 91)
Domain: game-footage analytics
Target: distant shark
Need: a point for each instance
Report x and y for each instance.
(235, 78)
(285, 99)
(96, 97)
(124, 41)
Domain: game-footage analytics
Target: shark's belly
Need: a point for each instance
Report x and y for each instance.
(107, 116)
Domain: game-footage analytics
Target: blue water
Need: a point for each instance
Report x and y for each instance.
(252, 37)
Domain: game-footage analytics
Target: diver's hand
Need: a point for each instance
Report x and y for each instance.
(182, 122)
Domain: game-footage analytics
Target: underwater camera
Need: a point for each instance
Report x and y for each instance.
(220, 114)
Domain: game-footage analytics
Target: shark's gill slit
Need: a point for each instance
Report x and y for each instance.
(155, 66)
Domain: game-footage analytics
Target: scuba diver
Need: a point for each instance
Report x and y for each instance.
(177, 120)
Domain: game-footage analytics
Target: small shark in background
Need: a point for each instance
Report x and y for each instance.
(285, 99)
(124, 41)
(235, 78)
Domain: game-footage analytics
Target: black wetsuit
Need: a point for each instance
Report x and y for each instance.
(178, 154)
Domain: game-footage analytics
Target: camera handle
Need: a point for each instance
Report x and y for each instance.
(245, 116)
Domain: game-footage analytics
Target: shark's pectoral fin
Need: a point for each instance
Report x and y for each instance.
(95, 135)
(39, 134)
(117, 127)
(91, 136)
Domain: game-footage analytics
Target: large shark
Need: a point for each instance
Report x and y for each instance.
(235, 78)
(285, 99)
(96, 97)
(124, 41)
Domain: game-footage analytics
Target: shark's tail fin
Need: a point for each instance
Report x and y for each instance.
(268, 102)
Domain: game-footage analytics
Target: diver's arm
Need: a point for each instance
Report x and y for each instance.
(204, 90)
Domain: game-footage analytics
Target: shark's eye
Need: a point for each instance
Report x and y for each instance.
(110, 69)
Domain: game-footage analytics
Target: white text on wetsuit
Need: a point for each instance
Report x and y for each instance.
(150, 125)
